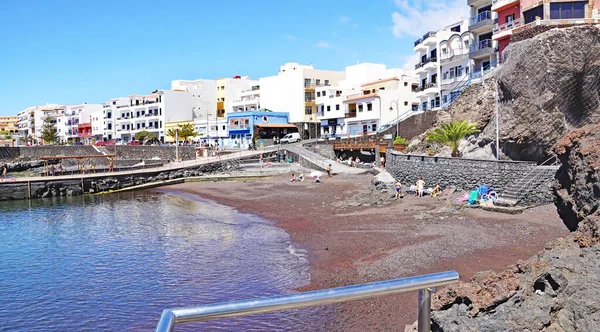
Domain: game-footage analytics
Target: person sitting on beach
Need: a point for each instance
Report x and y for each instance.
(293, 179)
(83, 169)
(436, 190)
(420, 186)
(268, 164)
(60, 168)
(51, 170)
(93, 168)
(398, 187)
(317, 179)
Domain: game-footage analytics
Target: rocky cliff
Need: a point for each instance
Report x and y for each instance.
(557, 290)
(547, 85)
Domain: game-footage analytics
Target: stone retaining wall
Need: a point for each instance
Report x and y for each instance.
(466, 174)
(148, 152)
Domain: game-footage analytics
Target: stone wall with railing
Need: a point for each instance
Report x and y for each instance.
(466, 174)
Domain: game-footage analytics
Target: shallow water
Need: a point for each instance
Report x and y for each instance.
(114, 262)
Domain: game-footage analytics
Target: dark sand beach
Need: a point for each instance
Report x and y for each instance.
(349, 244)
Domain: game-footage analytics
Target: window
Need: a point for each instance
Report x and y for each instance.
(405, 83)
(567, 10)
(318, 82)
(324, 94)
(318, 93)
(455, 29)
(308, 110)
(531, 14)
(405, 103)
(222, 87)
(337, 107)
(360, 108)
(510, 18)
(328, 108)
(434, 78)
(326, 82)
(307, 82)
(373, 127)
(369, 107)
(224, 127)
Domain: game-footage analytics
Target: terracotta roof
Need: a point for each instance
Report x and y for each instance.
(395, 78)
(374, 95)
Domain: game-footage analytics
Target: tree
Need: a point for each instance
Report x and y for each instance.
(49, 134)
(451, 133)
(145, 135)
(186, 131)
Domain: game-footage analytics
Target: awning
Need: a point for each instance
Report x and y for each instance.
(282, 125)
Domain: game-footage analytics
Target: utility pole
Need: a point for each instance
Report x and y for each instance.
(177, 144)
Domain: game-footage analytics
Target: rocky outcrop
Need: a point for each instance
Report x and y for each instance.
(557, 290)
(577, 190)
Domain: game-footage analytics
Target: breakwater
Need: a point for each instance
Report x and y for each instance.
(42, 187)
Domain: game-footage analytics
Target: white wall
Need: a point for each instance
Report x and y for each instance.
(284, 93)
(234, 88)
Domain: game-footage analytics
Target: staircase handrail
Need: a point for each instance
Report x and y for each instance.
(400, 118)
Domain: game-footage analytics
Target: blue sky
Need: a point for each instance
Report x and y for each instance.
(71, 52)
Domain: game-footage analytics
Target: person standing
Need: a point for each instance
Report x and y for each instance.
(398, 187)
(382, 160)
(4, 171)
(420, 186)
(111, 165)
(329, 170)
(61, 171)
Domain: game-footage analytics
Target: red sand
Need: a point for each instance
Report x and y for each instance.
(411, 236)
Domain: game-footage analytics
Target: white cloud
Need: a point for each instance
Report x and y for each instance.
(345, 19)
(323, 44)
(290, 37)
(416, 17)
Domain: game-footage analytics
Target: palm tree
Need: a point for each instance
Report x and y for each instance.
(451, 133)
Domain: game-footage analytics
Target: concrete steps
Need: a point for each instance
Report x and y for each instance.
(526, 185)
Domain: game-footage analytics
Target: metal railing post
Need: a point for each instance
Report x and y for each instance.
(424, 322)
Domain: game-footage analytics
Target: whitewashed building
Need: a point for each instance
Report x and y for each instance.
(203, 94)
(292, 90)
(369, 97)
(249, 100)
(429, 68)
(127, 116)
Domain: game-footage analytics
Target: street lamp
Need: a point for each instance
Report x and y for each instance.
(397, 114)
(496, 97)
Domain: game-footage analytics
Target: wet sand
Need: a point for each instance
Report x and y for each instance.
(356, 244)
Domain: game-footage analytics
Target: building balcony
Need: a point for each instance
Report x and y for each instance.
(498, 5)
(505, 30)
(455, 56)
(484, 48)
(424, 66)
(482, 22)
(422, 43)
(477, 3)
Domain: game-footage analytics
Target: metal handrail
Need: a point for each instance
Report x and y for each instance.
(423, 283)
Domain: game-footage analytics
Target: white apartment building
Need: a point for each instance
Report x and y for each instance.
(204, 97)
(249, 100)
(31, 120)
(97, 118)
(74, 125)
(230, 90)
(292, 90)
(109, 110)
(211, 130)
(369, 97)
(148, 112)
(26, 124)
(450, 44)
(484, 49)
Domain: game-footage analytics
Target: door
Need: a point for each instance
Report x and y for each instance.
(365, 129)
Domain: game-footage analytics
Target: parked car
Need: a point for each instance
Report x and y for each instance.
(102, 143)
(290, 138)
(134, 143)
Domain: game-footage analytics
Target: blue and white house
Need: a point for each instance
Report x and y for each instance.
(243, 126)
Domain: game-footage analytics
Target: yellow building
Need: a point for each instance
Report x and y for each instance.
(9, 124)
(175, 125)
